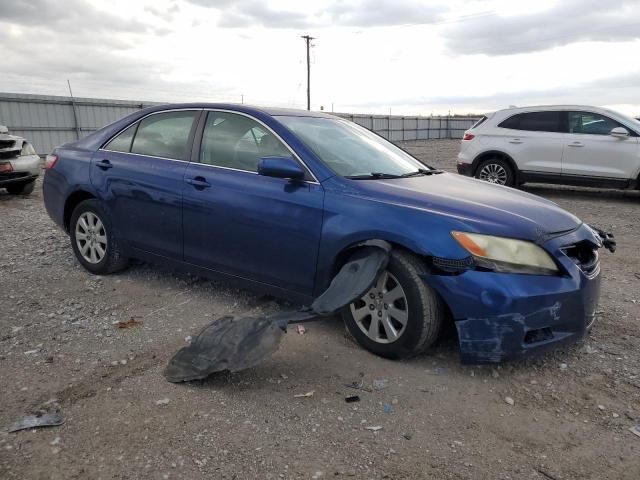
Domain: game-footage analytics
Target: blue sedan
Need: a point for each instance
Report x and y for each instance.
(277, 200)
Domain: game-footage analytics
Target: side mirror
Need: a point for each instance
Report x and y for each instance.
(280, 167)
(619, 132)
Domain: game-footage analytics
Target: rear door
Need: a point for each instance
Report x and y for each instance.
(238, 222)
(139, 174)
(591, 151)
(535, 140)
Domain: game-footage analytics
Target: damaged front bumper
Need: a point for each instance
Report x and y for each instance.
(501, 316)
(19, 169)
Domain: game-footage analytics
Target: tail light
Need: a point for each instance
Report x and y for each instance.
(50, 161)
(468, 136)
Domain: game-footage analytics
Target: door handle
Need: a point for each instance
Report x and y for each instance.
(515, 140)
(576, 144)
(104, 164)
(199, 183)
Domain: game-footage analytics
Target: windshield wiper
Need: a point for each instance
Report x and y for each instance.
(374, 175)
(371, 175)
(420, 171)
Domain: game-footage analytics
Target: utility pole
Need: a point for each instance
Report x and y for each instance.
(308, 41)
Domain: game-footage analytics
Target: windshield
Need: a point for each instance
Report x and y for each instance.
(351, 150)
(634, 121)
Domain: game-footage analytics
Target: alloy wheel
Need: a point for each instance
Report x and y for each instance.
(382, 313)
(91, 237)
(493, 173)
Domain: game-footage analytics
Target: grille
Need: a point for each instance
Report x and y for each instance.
(6, 154)
(13, 175)
(584, 255)
(7, 143)
(452, 266)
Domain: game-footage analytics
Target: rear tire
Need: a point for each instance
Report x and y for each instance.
(422, 308)
(94, 239)
(497, 171)
(22, 188)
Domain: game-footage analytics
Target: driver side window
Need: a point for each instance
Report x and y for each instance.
(591, 123)
(235, 141)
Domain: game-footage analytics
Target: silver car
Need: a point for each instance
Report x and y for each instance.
(19, 164)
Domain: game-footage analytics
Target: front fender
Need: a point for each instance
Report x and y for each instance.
(349, 220)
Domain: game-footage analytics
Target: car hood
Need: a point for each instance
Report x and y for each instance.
(476, 205)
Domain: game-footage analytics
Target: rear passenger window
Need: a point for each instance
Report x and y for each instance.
(235, 141)
(165, 135)
(534, 122)
(122, 141)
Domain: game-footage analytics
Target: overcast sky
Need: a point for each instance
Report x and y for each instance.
(413, 57)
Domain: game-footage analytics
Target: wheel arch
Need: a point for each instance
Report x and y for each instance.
(71, 203)
(496, 154)
(343, 255)
(447, 325)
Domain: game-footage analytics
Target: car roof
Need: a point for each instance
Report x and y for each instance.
(236, 107)
(552, 108)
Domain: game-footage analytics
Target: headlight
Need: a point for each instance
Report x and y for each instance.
(27, 149)
(506, 254)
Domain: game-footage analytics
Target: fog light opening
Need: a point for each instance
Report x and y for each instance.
(538, 335)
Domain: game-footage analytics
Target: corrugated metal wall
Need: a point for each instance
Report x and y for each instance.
(49, 121)
(399, 128)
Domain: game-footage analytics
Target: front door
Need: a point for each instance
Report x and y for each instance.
(590, 150)
(244, 224)
(140, 173)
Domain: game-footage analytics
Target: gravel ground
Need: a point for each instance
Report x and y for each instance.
(566, 415)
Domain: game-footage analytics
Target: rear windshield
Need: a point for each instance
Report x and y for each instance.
(349, 149)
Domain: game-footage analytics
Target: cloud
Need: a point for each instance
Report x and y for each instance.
(168, 14)
(45, 44)
(78, 15)
(355, 13)
(567, 22)
(246, 13)
(619, 89)
(376, 13)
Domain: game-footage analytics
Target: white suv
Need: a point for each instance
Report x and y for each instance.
(573, 145)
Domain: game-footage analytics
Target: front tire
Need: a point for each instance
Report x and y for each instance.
(497, 171)
(400, 316)
(22, 188)
(94, 239)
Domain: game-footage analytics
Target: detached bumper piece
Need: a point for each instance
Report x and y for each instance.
(606, 238)
(236, 344)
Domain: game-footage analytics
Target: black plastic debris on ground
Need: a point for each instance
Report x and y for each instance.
(235, 344)
(33, 421)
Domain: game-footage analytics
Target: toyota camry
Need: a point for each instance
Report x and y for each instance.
(277, 200)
